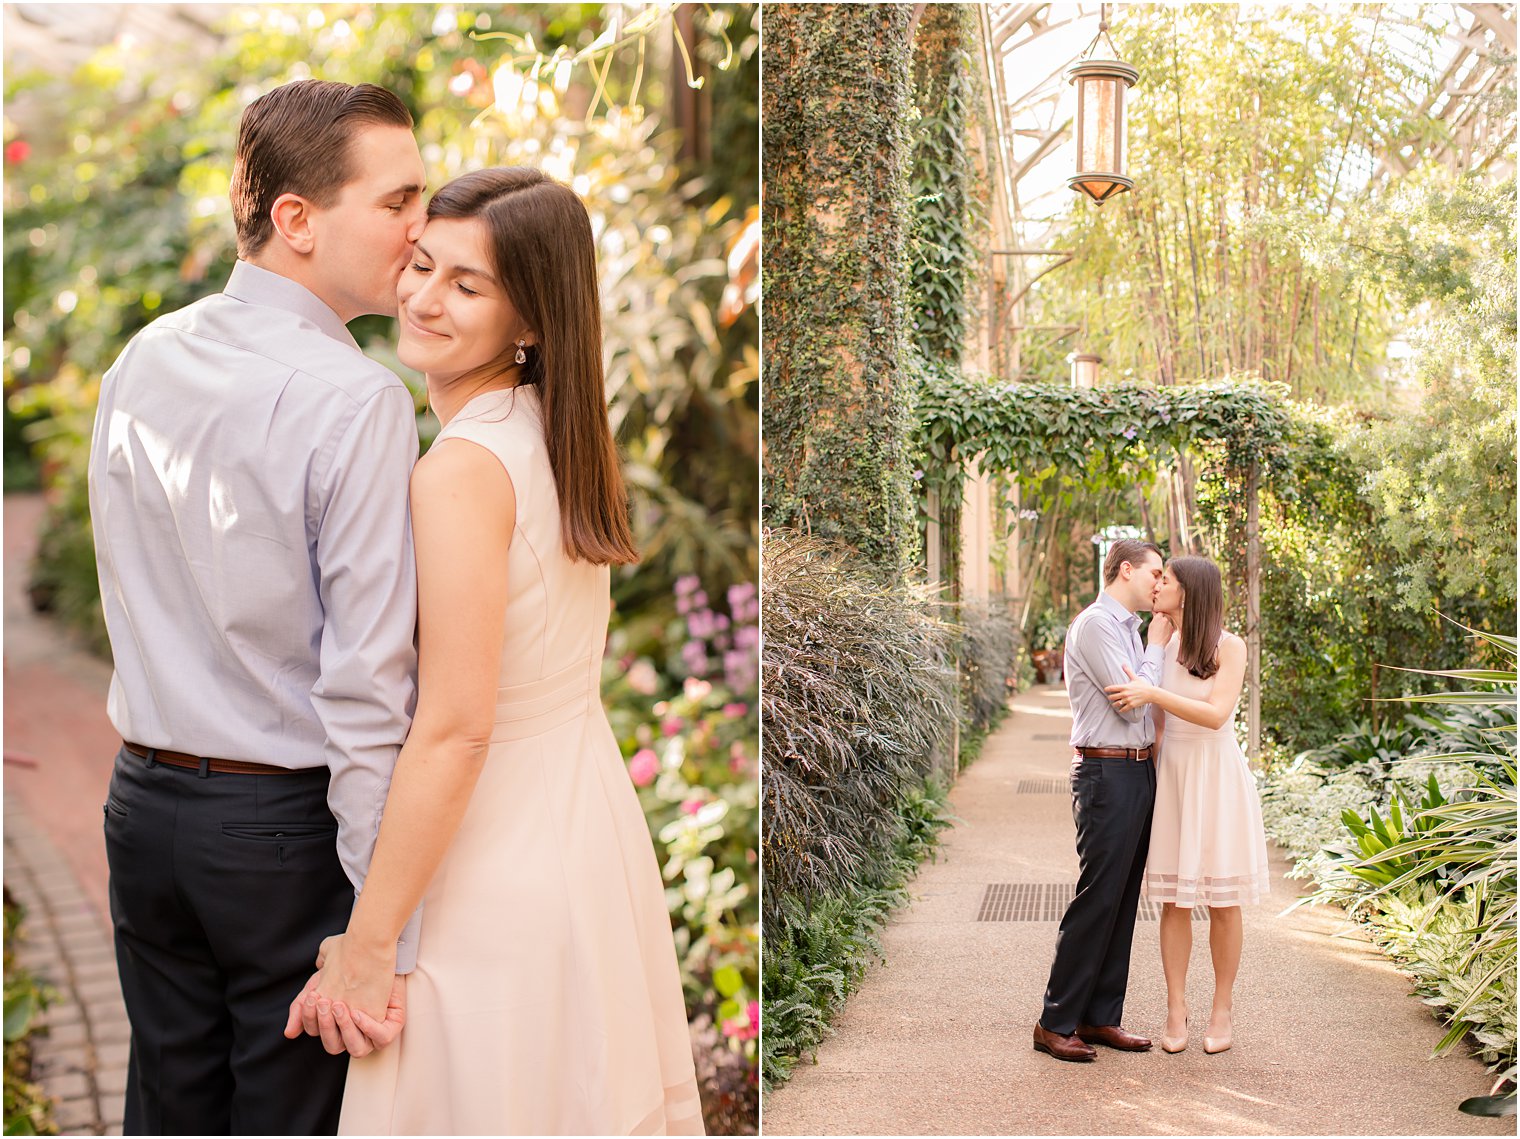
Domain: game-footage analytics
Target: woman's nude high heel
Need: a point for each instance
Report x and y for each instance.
(1216, 1044)
(1175, 1044)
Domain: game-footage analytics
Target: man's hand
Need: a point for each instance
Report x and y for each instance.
(357, 1033)
(1161, 629)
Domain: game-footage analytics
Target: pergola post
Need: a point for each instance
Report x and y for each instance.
(1253, 612)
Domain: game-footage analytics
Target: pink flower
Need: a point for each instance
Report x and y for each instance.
(18, 151)
(691, 806)
(643, 767)
(735, 710)
(671, 727)
(642, 678)
(745, 1027)
(696, 689)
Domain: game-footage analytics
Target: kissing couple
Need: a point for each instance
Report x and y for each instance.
(1163, 799)
(338, 672)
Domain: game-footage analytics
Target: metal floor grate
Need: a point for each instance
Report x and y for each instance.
(1047, 901)
(1025, 901)
(1050, 786)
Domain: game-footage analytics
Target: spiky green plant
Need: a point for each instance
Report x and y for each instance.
(1467, 845)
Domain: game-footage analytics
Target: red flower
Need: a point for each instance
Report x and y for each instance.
(18, 151)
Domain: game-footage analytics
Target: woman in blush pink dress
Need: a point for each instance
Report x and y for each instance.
(1208, 846)
(546, 999)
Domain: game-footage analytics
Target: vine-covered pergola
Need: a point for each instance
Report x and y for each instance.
(1050, 436)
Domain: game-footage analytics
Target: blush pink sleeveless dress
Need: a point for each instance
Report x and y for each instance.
(1208, 846)
(547, 997)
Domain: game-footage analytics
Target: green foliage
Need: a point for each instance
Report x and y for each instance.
(1441, 475)
(857, 697)
(28, 1111)
(837, 224)
(1080, 437)
(948, 229)
(1437, 885)
(987, 651)
(820, 951)
(1048, 629)
(1373, 855)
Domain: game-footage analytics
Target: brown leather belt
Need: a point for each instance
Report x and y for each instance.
(1146, 752)
(196, 762)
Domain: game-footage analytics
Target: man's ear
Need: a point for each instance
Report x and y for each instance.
(292, 216)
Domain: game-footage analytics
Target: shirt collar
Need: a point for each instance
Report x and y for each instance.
(1119, 613)
(257, 286)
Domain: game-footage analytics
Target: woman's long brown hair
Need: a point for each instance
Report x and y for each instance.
(545, 259)
(1202, 614)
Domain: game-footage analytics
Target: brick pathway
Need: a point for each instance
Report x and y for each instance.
(81, 1060)
(59, 747)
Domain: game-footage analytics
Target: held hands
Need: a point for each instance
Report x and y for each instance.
(333, 1003)
(1137, 693)
(1161, 629)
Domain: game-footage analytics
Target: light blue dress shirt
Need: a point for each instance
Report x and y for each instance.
(1101, 641)
(248, 491)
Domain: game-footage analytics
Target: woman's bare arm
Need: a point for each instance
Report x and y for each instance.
(463, 515)
(1214, 712)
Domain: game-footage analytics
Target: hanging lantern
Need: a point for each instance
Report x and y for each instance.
(1101, 84)
(1084, 369)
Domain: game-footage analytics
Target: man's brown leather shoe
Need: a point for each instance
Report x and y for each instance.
(1114, 1037)
(1062, 1047)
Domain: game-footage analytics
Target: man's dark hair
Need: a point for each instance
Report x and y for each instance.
(297, 139)
(1130, 550)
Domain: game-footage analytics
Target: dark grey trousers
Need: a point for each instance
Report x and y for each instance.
(222, 887)
(1111, 801)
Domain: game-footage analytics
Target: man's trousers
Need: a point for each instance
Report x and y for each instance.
(222, 887)
(1111, 802)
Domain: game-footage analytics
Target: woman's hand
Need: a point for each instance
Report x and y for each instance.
(352, 979)
(1135, 694)
(1161, 629)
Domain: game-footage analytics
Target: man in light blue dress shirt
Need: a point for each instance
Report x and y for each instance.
(1113, 788)
(248, 492)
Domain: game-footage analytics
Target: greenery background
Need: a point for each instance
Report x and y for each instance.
(116, 211)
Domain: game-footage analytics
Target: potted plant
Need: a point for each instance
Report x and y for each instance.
(1047, 636)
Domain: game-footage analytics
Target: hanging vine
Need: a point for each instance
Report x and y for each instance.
(947, 238)
(1094, 437)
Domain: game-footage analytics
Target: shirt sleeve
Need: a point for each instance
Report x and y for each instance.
(1102, 649)
(367, 579)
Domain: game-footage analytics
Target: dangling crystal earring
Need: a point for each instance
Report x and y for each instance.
(522, 356)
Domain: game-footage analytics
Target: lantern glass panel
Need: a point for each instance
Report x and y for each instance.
(1101, 122)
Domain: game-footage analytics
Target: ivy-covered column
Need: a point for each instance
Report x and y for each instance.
(838, 116)
(945, 248)
(946, 244)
